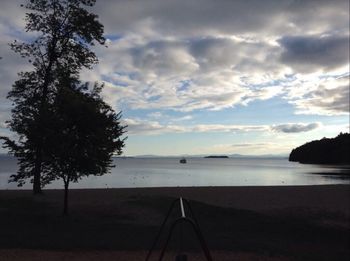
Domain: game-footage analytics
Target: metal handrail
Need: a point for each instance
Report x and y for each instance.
(192, 221)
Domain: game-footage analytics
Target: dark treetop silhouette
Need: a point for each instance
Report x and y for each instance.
(83, 134)
(64, 31)
(325, 151)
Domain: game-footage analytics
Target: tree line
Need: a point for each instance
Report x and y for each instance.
(324, 151)
(64, 129)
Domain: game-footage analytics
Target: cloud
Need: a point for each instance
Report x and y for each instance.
(247, 148)
(160, 58)
(166, 117)
(213, 53)
(145, 127)
(227, 128)
(3, 124)
(184, 118)
(295, 127)
(155, 115)
(207, 55)
(252, 145)
(310, 53)
(261, 147)
(205, 17)
(11, 16)
(223, 62)
(187, 75)
(329, 98)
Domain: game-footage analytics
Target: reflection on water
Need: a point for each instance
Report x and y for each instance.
(335, 172)
(160, 172)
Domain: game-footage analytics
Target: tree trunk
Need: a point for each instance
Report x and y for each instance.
(65, 206)
(37, 170)
(42, 119)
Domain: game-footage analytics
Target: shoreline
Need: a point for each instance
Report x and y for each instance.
(187, 187)
(255, 198)
(238, 223)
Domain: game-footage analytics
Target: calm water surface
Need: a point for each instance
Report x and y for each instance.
(168, 172)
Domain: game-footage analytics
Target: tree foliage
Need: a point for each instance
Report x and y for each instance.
(324, 151)
(63, 33)
(84, 134)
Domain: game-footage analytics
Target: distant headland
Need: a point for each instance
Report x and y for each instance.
(216, 157)
(325, 151)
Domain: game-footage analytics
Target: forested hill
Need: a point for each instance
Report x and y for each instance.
(324, 151)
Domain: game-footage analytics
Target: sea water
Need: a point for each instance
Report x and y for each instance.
(168, 172)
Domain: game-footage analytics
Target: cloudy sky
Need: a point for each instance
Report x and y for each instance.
(213, 77)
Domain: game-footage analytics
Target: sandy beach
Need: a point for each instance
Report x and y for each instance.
(238, 223)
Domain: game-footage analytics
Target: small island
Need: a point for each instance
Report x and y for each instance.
(325, 151)
(216, 157)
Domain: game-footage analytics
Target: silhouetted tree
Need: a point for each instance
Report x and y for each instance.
(83, 135)
(64, 32)
(324, 151)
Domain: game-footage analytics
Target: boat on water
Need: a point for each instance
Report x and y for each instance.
(183, 161)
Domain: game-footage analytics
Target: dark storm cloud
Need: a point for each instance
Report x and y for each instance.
(188, 16)
(203, 17)
(307, 53)
(295, 127)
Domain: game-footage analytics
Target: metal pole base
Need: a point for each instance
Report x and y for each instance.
(182, 219)
(181, 258)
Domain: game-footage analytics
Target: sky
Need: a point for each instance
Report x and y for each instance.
(195, 77)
